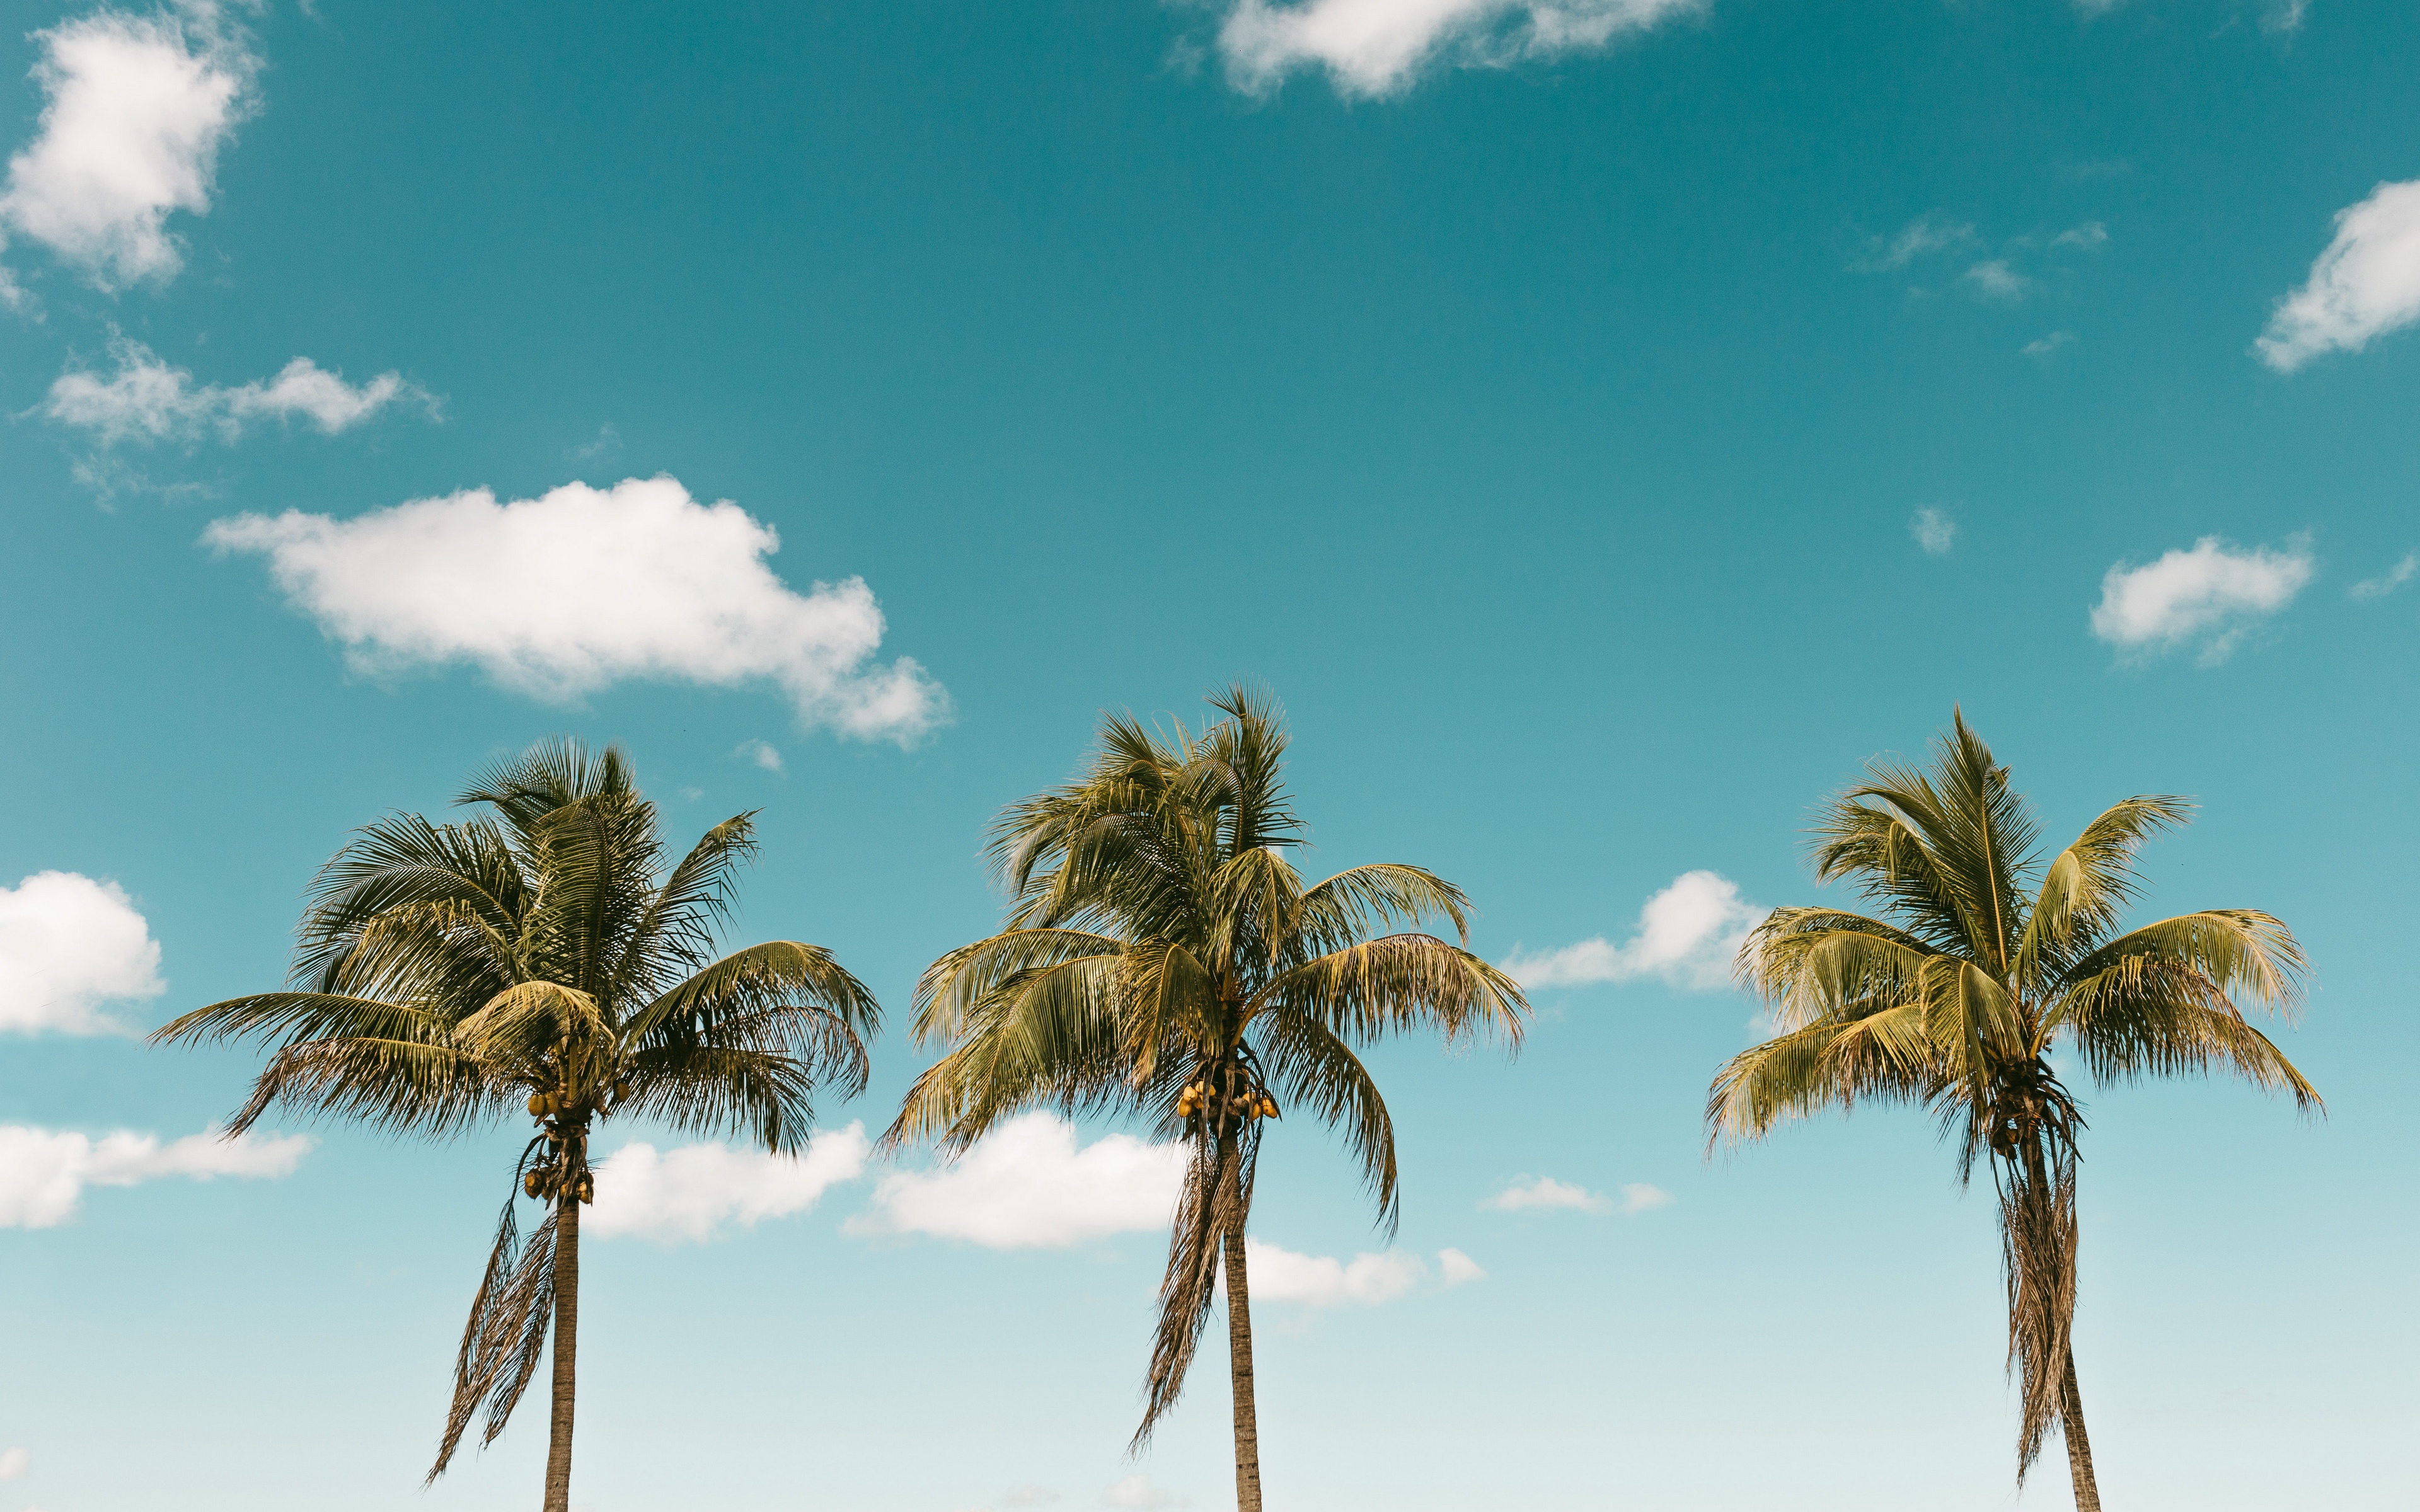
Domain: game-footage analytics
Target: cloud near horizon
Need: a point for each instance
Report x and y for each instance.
(691, 1192)
(569, 592)
(2212, 597)
(44, 1172)
(1372, 48)
(1688, 935)
(136, 109)
(1028, 1186)
(1366, 1280)
(2366, 283)
(145, 400)
(68, 945)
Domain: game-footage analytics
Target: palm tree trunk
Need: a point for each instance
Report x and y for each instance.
(566, 1348)
(2079, 1447)
(1239, 1345)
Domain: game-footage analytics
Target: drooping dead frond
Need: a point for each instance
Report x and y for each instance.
(2038, 1244)
(506, 1336)
(1217, 1199)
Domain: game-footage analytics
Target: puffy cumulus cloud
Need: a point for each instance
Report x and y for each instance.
(136, 111)
(759, 752)
(2366, 283)
(44, 1172)
(1934, 531)
(570, 592)
(1374, 48)
(145, 400)
(68, 945)
(1545, 1191)
(1028, 1186)
(691, 1192)
(1688, 935)
(2210, 597)
(1366, 1280)
(14, 1463)
(2389, 580)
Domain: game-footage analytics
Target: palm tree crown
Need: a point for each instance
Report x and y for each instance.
(543, 956)
(1986, 957)
(1163, 957)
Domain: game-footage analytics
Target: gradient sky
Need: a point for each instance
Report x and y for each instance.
(1605, 424)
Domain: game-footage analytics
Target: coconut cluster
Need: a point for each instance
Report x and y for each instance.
(1251, 1103)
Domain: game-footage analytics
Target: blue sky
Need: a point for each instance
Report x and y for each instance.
(1606, 425)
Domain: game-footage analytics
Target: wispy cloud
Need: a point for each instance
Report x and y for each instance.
(1996, 280)
(2389, 580)
(2210, 597)
(1136, 1491)
(2045, 346)
(1928, 233)
(44, 1172)
(1638, 1196)
(14, 1463)
(1686, 935)
(575, 589)
(1934, 531)
(68, 945)
(136, 109)
(2090, 237)
(2366, 283)
(761, 753)
(693, 1192)
(1376, 48)
(1028, 1186)
(145, 400)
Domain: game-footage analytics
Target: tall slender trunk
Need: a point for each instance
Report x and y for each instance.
(1239, 1344)
(567, 1349)
(2079, 1447)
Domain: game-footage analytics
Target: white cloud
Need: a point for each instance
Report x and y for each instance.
(1137, 1490)
(68, 945)
(2366, 283)
(147, 400)
(2212, 594)
(2045, 346)
(1545, 1191)
(1934, 531)
(43, 1173)
(1994, 279)
(137, 108)
(687, 1194)
(1688, 935)
(13, 1464)
(568, 592)
(2090, 237)
(2389, 580)
(1374, 48)
(761, 753)
(1366, 1280)
(2285, 18)
(1026, 1186)
(1638, 1196)
(1928, 233)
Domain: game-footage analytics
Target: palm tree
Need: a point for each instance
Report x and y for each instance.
(1986, 958)
(1163, 958)
(445, 972)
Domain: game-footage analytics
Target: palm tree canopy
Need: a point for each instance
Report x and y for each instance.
(543, 950)
(445, 971)
(1986, 955)
(1158, 926)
